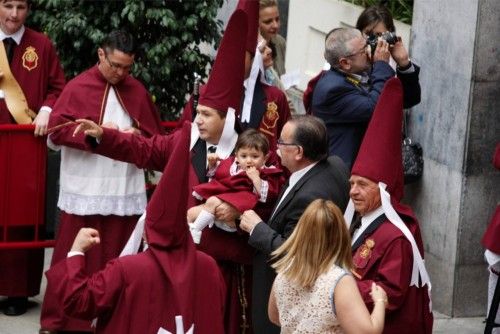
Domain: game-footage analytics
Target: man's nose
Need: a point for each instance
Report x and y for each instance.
(353, 189)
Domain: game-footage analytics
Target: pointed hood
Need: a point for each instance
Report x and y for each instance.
(380, 158)
(167, 231)
(225, 83)
(251, 8)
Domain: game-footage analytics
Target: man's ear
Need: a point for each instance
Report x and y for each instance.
(300, 154)
(345, 64)
(100, 53)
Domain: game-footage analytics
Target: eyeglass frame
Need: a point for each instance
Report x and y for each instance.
(361, 51)
(280, 142)
(117, 67)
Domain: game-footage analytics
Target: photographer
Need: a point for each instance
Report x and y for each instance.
(376, 21)
(345, 96)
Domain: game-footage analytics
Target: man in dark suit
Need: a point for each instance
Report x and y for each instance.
(344, 97)
(303, 149)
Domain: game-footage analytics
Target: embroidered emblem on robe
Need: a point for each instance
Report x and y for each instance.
(270, 119)
(30, 58)
(363, 253)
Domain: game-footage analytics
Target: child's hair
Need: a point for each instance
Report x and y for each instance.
(319, 240)
(252, 138)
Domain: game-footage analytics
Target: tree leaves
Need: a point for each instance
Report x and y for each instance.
(167, 32)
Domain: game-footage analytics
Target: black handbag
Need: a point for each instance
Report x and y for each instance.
(413, 162)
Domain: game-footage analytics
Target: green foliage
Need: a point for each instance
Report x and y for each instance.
(401, 10)
(168, 34)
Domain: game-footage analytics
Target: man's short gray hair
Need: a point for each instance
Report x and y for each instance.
(337, 44)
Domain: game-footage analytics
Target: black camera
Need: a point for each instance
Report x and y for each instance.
(389, 36)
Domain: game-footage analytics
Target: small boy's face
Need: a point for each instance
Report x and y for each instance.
(13, 14)
(250, 157)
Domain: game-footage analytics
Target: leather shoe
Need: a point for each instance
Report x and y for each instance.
(15, 306)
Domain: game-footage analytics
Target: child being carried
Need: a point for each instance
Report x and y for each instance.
(242, 180)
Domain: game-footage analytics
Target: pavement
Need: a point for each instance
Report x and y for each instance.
(28, 323)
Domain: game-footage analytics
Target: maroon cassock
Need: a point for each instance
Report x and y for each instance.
(180, 280)
(85, 97)
(238, 189)
(491, 237)
(385, 257)
(37, 69)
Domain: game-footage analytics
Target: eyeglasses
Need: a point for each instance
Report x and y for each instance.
(116, 67)
(361, 51)
(280, 142)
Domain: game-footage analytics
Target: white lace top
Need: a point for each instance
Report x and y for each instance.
(308, 310)
(92, 184)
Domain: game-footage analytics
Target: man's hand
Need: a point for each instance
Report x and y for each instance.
(89, 128)
(212, 159)
(41, 121)
(110, 125)
(249, 219)
(226, 212)
(382, 51)
(400, 54)
(132, 130)
(85, 239)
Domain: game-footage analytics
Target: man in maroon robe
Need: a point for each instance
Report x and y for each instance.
(36, 68)
(387, 245)
(95, 191)
(171, 286)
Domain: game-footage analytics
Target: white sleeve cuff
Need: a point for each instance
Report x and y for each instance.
(46, 108)
(264, 189)
(74, 253)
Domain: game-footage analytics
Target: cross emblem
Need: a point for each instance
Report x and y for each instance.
(179, 327)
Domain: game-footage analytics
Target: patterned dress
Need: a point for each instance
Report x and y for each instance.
(308, 310)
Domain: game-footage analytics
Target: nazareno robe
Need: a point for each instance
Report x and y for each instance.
(132, 296)
(41, 82)
(85, 97)
(382, 254)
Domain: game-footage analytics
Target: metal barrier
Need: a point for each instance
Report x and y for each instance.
(23, 159)
(23, 173)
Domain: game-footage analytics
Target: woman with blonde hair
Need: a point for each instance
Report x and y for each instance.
(313, 291)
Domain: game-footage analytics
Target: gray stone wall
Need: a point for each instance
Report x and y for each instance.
(458, 124)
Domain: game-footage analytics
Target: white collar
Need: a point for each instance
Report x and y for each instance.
(372, 215)
(366, 220)
(15, 36)
(297, 175)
